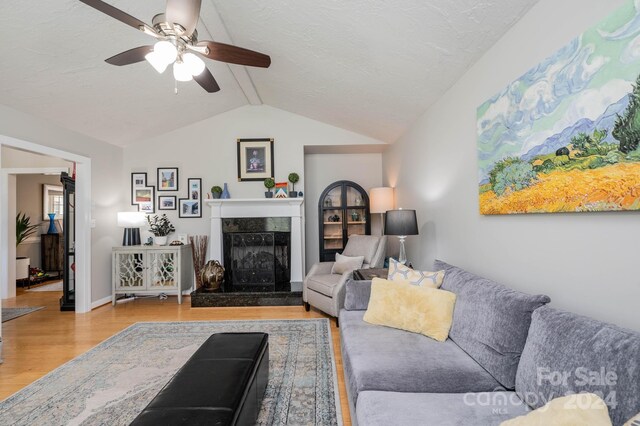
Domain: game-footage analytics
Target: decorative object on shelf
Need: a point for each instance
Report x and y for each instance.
(52, 224)
(334, 218)
(328, 202)
(167, 202)
(225, 192)
(401, 223)
(131, 222)
(160, 227)
(381, 201)
(216, 192)
(168, 179)
(355, 216)
(282, 190)
(52, 201)
(269, 183)
(149, 241)
(199, 254)
(211, 276)
(255, 159)
(191, 207)
(176, 243)
(571, 147)
(293, 178)
(24, 228)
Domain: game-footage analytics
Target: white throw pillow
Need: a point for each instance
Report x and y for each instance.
(400, 272)
(346, 263)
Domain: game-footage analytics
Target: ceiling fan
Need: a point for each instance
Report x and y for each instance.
(178, 44)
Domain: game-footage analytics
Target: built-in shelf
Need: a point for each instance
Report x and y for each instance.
(333, 223)
(337, 237)
(357, 223)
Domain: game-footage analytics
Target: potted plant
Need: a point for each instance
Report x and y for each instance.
(269, 183)
(160, 227)
(293, 178)
(24, 229)
(216, 191)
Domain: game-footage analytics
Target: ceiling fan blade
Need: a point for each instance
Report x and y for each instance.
(185, 13)
(206, 81)
(131, 56)
(116, 13)
(235, 55)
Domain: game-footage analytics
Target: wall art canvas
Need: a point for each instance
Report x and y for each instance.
(255, 159)
(565, 136)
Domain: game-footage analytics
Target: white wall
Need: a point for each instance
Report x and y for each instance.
(324, 169)
(207, 150)
(106, 183)
(586, 263)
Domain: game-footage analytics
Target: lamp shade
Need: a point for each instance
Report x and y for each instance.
(131, 219)
(380, 199)
(401, 222)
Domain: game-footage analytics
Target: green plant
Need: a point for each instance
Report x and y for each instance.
(216, 190)
(293, 178)
(269, 183)
(24, 228)
(160, 226)
(627, 127)
(512, 174)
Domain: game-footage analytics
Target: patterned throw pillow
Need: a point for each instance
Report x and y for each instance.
(400, 272)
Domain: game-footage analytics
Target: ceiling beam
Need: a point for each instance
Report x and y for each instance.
(211, 20)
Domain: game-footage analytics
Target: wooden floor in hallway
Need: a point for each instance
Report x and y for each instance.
(37, 343)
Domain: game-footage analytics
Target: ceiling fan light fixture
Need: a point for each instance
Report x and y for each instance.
(156, 61)
(166, 51)
(194, 63)
(181, 71)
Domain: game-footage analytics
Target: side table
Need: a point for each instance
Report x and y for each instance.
(369, 274)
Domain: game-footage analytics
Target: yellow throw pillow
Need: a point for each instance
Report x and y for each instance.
(412, 308)
(400, 272)
(571, 410)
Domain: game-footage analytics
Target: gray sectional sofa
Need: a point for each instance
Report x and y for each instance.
(507, 353)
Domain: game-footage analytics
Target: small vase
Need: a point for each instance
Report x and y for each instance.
(212, 275)
(160, 241)
(52, 224)
(225, 192)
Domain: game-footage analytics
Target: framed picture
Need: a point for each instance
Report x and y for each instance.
(192, 205)
(168, 179)
(167, 202)
(282, 190)
(138, 181)
(145, 198)
(255, 159)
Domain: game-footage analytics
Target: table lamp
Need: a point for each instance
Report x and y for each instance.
(131, 222)
(381, 201)
(401, 223)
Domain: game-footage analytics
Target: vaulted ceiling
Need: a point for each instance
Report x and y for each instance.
(370, 66)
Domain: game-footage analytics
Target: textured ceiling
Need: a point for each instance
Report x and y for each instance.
(371, 66)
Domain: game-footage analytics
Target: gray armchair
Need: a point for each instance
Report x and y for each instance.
(324, 290)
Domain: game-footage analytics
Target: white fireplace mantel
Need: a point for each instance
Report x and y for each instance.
(260, 207)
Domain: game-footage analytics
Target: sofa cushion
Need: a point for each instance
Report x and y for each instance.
(400, 272)
(382, 358)
(404, 306)
(568, 353)
(323, 283)
(362, 245)
(490, 321)
(357, 295)
(576, 409)
(376, 408)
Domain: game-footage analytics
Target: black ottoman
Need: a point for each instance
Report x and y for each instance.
(223, 383)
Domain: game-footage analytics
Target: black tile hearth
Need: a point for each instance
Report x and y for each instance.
(204, 299)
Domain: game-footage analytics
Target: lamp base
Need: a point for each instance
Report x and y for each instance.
(402, 256)
(131, 237)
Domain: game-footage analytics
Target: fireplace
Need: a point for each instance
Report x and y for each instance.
(257, 253)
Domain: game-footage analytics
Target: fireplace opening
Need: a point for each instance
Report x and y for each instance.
(257, 253)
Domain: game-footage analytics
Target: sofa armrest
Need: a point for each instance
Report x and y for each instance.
(357, 295)
(321, 268)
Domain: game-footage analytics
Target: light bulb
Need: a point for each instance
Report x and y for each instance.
(166, 51)
(181, 71)
(194, 63)
(156, 61)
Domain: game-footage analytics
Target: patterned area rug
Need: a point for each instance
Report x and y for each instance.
(12, 313)
(113, 382)
(56, 286)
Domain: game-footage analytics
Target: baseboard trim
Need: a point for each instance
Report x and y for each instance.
(101, 302)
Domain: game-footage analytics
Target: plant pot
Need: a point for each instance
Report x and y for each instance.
(293, 194)
(216, 195)
(22, 268)
(268, 194)
(160, 241)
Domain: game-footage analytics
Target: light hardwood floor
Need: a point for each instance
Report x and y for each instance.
(39, 342)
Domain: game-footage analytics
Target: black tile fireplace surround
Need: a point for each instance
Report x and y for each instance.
(257, 255)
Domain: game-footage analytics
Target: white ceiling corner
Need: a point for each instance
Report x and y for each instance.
(370, 66)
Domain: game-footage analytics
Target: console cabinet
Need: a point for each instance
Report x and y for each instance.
(152, 270)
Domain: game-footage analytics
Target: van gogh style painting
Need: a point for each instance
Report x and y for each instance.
(565, 136)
